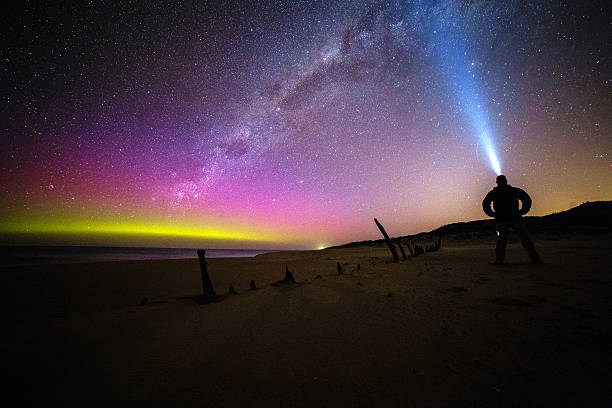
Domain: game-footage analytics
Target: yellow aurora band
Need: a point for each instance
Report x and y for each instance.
(133, 230)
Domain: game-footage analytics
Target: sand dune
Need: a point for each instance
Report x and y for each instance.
(441, 329)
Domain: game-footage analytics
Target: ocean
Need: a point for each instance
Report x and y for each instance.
(46, 255)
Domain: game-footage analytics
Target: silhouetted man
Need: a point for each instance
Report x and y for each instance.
(505, 199)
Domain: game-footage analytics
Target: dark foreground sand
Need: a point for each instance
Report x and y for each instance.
(441, 329)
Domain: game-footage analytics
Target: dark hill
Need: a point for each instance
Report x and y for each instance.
(587, 218)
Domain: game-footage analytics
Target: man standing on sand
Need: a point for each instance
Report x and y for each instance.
(505, 199)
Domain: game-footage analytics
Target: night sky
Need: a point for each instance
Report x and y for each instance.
(291, 124)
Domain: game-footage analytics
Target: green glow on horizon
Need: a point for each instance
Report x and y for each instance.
(80, 227)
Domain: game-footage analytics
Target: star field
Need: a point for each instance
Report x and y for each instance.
(293, 124)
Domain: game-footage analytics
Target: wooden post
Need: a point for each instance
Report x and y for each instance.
(402, 250)
(288, 275)
(288, 278)
(387, 240)
(208, 294)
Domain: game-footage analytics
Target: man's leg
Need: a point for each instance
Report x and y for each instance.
(521, 229)
(502, 239)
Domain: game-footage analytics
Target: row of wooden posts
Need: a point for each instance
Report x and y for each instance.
(209, 295)
(414, 248)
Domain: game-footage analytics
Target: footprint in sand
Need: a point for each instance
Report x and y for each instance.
(531, 300)
(456, 289)
(481, 279)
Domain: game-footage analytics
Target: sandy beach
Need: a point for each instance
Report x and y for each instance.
(442, 329)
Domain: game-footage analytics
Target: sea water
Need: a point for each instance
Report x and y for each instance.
(45, 255)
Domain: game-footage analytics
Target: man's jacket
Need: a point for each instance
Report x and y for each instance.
(505, 201)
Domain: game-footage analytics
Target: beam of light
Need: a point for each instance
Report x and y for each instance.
(460, 71)
(490, 149)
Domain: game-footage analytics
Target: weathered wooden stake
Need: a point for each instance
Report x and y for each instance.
(288, 278)
(288, 275)
(402, 250)
(208, 294)
(387, 240)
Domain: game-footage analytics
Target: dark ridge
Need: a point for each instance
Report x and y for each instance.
(587, 218)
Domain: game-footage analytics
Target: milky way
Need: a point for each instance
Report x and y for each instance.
(293, 124)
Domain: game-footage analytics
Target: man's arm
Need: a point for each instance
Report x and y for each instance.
(525, 199)
(486, 204)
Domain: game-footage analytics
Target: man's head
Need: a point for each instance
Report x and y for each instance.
(501, 180)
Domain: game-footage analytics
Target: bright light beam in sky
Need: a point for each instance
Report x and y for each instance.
(289, 125)
(461, 71)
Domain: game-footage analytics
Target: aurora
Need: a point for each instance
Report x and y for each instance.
(289, 126)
